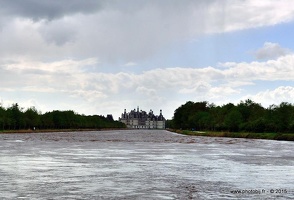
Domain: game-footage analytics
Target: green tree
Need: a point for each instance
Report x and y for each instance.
(233, 120)
(32, 118)
(2, 117)
(250, 110)
(47, 120)
(183, 116)
(284, 116)
(16, 116)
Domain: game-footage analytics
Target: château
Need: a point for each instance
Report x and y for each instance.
(142, 120)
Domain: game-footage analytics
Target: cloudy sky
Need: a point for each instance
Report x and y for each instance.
(100, 57)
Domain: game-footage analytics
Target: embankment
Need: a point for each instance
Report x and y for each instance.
(55, 130)
(268, 136)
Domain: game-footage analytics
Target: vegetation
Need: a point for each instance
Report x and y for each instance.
(274, 122)
(269, 136)
(16, 118)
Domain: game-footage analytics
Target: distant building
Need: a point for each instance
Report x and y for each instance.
(142, 120)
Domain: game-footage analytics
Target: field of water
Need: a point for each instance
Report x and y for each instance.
(143, 164)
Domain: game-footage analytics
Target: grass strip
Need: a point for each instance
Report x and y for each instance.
(268, 136)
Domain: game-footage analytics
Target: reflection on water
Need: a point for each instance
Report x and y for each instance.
(141, 164)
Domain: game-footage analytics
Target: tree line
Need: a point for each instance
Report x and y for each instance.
(247, 116)
(16, 118)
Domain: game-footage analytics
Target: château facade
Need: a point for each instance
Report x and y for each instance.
(142, 120)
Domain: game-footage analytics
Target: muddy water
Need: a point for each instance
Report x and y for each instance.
(142, 164)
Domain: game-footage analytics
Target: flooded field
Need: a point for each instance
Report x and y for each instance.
(143, 164)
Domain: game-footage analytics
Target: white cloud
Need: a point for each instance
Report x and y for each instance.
(275, 96)
(73, 84)
(271, 51)
(65, 66)
(130, 64)
(251, 13)
(279, 69)
(149, 93)
(199, 88)
(88, 95)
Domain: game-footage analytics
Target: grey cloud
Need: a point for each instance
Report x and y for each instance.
(51, 9)
(122, 31)
(58, 32)
(47, 9)
(271, 51)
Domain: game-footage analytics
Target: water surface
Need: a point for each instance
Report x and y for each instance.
(143, 164)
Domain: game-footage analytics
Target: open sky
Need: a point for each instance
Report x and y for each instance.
(101, 57)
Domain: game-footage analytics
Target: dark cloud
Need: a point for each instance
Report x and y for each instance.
(47, 9)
